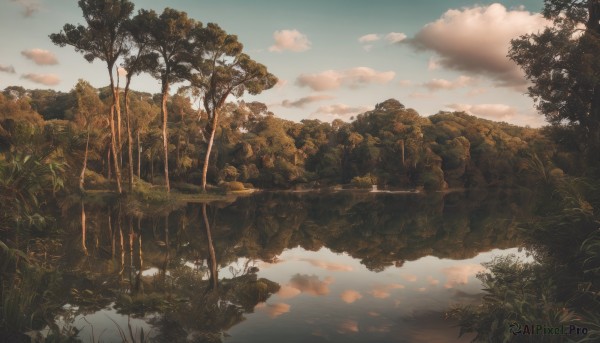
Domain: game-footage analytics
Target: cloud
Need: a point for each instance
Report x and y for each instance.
(499, 112)
(311, 284)
(274, 310)
(40, 56)
(292, 40)
(459, 275)
(29, 6)
(384, 291)
(336, 267)
(371, 37)
(338, 111)
(7, 69)
(395, 37)
(350, 296)
(439, 84)
(351, 78)
(348, 326)
(432, 281)
(281, 83)
(477, 39)
(287, 292)
(300, 103)
(44, 79)
(410, 277)
(432, 64)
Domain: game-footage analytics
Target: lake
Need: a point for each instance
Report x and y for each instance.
(280, 266)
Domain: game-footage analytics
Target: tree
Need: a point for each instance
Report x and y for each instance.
(87, 108)
(563, 63)
(169, 36)
(135, 63)
(223, 70)
(104, 38)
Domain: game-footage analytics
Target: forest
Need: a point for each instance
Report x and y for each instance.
(114, 149)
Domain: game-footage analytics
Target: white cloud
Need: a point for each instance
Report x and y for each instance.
(439, 84)
(300, 103)
(7, 69)
(44, 79)
(477, 40)
(371, 37)
(292, 40)
(500, 112)
(352, 78)
(29, 6)
(368, 47)
(395, 37)
(40, 56)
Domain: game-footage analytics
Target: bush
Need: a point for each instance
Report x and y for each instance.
(366, 181)
(233, 186)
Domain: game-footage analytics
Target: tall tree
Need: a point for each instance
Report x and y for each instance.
(563, 63)
(169, 36)
(103, 38)
(223, 70)
(139, 60)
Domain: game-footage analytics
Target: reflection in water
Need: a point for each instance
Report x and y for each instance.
(348, 264)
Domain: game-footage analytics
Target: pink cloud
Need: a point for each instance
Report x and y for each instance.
(40, 56)
(477, 39)
(300, 103)
(292, 40)
(350, 296)
(328, 265)
(351, 78)
(310, 284)
(44, 79)
(459, 275)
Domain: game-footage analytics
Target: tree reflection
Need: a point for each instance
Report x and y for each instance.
(172, 275)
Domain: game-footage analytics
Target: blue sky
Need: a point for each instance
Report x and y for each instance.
(334, 58)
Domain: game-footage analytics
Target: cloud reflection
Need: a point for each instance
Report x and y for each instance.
(274, 310)
(348, 326)
(336, 267)
(311, 284)
(383, 291)
(459, 275)
(350, 296)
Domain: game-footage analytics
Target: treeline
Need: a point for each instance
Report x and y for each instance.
(390, 146)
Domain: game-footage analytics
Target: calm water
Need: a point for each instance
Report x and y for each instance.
(318, 267)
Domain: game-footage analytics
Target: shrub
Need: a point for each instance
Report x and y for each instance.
(234, 186)
(366, 181)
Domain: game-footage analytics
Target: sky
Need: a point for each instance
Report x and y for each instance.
(334, 59)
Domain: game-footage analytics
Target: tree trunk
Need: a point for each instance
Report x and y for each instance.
(113, 140)
(208, 149)
(139, 156)
(129, 137)
(83, 229)
(113, 148)
(165, 93)
(117, 97)
(109, 164)
(85, 157)
(402, 148)
(214, 273)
